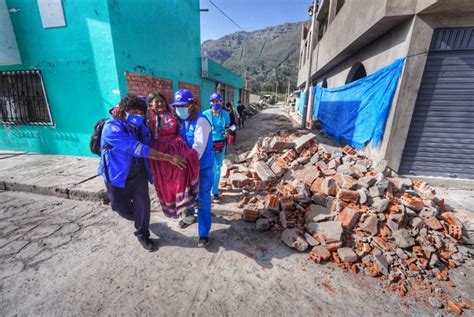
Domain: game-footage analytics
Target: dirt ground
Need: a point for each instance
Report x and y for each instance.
(79, 258)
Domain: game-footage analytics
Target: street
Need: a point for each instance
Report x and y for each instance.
(67, 257)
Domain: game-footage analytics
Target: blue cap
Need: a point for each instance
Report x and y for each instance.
(182, 97)
(215, 96)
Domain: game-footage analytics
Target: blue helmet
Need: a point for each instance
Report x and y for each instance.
(182, 97)
(215, 97)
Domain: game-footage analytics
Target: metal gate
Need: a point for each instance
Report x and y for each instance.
(441, 137)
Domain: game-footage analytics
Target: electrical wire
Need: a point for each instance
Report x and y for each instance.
(228, 17)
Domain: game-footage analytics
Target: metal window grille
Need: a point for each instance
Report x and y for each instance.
(23, 99)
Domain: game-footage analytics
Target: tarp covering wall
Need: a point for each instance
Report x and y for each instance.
(356, 113)
(300, 104)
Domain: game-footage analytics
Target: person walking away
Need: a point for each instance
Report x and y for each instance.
(177, 189)
(242, 114)
(220, 122)
(125, 167)
(234, 118)
(196, 131)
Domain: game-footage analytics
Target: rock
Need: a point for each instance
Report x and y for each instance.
(381, 167)
(370, 225)
(304, 142)
(263, 224)
(302, 160)
(349, 217)
(435, 302)
(315, 158)
(347, 255)
(376, 191)
(380, 205)
(362, 196)
(311, 241)
(381, 264)
(434, 261)
(315, 211)
(394, 221)
(330, 231)
(403, 239)
(401, 254)
(263, 171)
(294, 240)
(283, 221)
(366, 181)
(277, 170)
(278, 144)
(345, 169)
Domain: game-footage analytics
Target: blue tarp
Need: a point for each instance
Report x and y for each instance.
(300, 105)
(356, 113)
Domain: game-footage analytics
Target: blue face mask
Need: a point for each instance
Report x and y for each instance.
(134, 120)
(182, 112)
(216, 107)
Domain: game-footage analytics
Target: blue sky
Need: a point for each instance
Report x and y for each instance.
(251, 15)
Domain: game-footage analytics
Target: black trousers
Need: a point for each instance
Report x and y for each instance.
(133, 202)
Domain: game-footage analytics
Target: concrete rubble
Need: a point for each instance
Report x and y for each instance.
(344, 208)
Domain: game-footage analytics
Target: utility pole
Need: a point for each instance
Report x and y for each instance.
(308, 79)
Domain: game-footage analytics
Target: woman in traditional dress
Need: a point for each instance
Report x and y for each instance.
(177, 189)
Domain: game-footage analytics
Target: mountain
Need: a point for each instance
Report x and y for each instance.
(264, 57)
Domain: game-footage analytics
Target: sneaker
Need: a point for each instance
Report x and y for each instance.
(203, 242)
(147, 244)
(215, 198)
(186, 222)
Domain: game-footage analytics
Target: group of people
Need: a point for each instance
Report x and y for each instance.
(175, 147)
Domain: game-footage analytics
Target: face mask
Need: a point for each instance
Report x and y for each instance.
(182, 112)
(134, 120)
(216, 107)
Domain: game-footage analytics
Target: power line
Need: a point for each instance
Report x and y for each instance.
(228, 17)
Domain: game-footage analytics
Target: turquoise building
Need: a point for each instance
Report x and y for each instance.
(63, 64)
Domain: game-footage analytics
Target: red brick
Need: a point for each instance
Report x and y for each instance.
(250, 214)
(349, 218)
(349, 196)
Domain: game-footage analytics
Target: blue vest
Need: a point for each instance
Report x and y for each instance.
(187, 133)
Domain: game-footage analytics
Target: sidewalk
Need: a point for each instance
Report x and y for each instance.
(54, 175)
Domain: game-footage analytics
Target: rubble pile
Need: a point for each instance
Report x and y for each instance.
(342, 207)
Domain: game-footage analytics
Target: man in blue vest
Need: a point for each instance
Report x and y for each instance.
(125, 167)
(196, 131)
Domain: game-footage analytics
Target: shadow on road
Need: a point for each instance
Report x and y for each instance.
(230, 235)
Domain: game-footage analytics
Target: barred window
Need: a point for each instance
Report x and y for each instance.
(23, 99)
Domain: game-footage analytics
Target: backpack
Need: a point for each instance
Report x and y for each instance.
(94, 143)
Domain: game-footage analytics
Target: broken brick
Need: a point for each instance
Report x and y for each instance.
(349, 196)
(348, 217)
(250, 214)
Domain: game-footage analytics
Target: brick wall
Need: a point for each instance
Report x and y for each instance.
(195, 89)
(142, 85)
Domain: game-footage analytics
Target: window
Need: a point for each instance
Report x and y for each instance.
(23, 99)
(357, 72)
